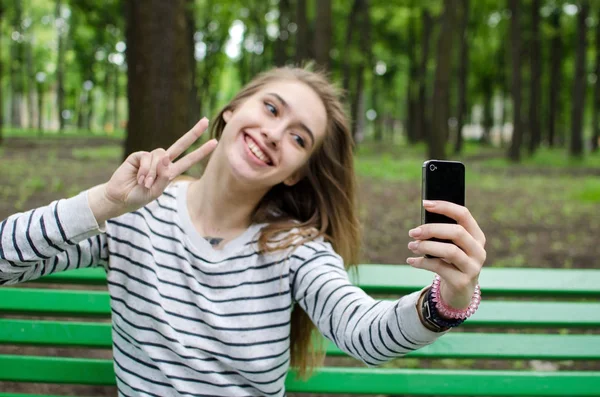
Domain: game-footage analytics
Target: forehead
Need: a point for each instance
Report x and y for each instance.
(303, 103)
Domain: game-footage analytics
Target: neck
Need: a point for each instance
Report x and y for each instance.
(219, 206)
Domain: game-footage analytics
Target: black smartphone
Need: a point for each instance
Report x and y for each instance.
(442, 180)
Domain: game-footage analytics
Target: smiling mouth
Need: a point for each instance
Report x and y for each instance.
(256, 151)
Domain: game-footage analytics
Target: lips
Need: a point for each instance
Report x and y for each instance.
(257, 151)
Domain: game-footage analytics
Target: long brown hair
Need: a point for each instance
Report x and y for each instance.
(323, 201)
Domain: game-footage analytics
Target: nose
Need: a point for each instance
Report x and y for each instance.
(273, 135)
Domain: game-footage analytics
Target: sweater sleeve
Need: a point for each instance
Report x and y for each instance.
(373, 331)
(60, 236)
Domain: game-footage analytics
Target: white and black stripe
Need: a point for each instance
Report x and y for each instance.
(193, 321)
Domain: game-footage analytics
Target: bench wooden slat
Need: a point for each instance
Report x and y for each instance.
(454, 345)
(339, 380)
(491, 313)
(449, 382)
(403, 279)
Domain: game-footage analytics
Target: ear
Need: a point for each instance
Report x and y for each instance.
(294, 178)
(227, 115)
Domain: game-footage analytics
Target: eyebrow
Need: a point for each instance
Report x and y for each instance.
(302, 125)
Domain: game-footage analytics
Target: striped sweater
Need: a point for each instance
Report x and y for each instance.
(190, 320)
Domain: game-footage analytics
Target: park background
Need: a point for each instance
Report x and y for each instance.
(508, 87)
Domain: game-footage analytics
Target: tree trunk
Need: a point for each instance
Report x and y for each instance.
(536, 74)
(596, 106)
(422, 127)
(441, 91)
(301, 33)
(30, 86)
(60, 68)
(1, 74)
(579, 86)
(159, 73)
(40, 108)
(194, 108)
(16, 67)
(350, 29)
(487, 88)
(463, 70)
(376, 104)
(365, 48)
(412, 87)
(555, 75)
(281, 55)
(81, 110)
(90, 110)
(323, 34)
(106, 87)
(514, 152)
(116, 98)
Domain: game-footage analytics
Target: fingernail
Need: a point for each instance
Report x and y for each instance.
(141, 179)
(416, 232)
(428, 204)
(413, 245)
(149, 181)
(410, 261)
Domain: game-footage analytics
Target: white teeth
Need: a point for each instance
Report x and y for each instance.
(256, 150)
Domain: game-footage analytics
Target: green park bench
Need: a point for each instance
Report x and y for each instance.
(527, 314)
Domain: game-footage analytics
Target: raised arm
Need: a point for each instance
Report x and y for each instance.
(68, 233)
(373, 331)
(60, 236)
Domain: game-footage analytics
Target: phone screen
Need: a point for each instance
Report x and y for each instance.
(442, 180)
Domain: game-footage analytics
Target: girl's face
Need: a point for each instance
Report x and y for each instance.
(269, 137)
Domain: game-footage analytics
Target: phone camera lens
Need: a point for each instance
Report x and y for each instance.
(432, 167)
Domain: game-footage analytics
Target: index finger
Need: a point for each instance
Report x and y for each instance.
(459, 213)
(183, 143)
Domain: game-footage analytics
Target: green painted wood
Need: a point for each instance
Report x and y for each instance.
(49, 301)
(453, 345)
(340, 380)
(86, 276)
(490, 313)
(56, 370)
(55, 333)
(403, 279)
(448, 382)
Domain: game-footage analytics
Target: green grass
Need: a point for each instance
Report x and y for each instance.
(109, 153)
(493, 176)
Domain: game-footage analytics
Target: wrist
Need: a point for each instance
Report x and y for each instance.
(102, 206)
(451, 311)
(429, 315)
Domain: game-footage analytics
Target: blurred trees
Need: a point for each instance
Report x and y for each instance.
(506, 73)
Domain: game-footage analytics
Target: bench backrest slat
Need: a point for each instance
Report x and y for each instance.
(454, 345)
(490, 313)
(338, 380)
(403, 279)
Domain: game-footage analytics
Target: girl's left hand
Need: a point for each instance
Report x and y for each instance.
(458, 264)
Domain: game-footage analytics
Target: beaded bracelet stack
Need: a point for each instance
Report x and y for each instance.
(450, 312)
(437, 316)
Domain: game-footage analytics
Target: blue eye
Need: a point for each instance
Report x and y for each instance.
(271, 108)
(300, 140)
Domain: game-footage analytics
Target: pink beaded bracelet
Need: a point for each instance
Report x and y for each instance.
(450, 312)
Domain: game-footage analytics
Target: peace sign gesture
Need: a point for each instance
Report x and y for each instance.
(144, 176)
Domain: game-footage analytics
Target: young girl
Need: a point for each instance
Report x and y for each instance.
(216, 283)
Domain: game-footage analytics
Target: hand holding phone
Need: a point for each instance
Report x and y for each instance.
(445, 220)
(442, 180)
